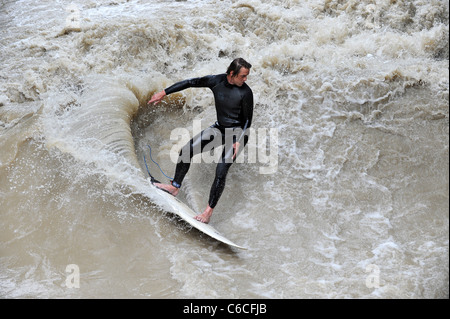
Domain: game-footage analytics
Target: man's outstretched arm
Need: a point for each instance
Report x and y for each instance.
(206, 81)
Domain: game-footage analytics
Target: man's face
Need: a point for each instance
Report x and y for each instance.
(240, 79)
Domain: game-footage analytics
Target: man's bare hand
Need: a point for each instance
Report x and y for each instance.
(236, 149)
(158, 97)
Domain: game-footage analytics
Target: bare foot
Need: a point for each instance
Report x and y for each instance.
(205, 216)
(168, 188)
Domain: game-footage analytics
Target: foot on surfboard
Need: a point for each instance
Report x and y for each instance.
(204, 217)
(172, 190)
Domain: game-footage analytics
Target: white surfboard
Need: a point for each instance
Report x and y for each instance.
(182, 210)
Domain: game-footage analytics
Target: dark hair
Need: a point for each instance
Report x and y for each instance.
(237, 65)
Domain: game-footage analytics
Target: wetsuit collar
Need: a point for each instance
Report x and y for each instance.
(228, 84)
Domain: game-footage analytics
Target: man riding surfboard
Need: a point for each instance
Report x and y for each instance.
(234, 107)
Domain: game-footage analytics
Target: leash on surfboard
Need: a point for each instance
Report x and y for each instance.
(148, 171)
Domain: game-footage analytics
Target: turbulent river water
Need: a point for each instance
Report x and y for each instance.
(342, 191)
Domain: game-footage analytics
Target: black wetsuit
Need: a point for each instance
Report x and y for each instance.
(234, 107)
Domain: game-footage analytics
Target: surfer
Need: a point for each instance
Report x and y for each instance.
(234, 107)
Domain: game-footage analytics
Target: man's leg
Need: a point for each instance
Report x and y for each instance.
(193, 147)
(218, 185)
(216, 191)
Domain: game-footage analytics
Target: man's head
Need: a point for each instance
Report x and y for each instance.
(238, 71)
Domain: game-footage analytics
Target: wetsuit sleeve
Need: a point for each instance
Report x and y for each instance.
(246, 117)
(247, 108)
(206, 81)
